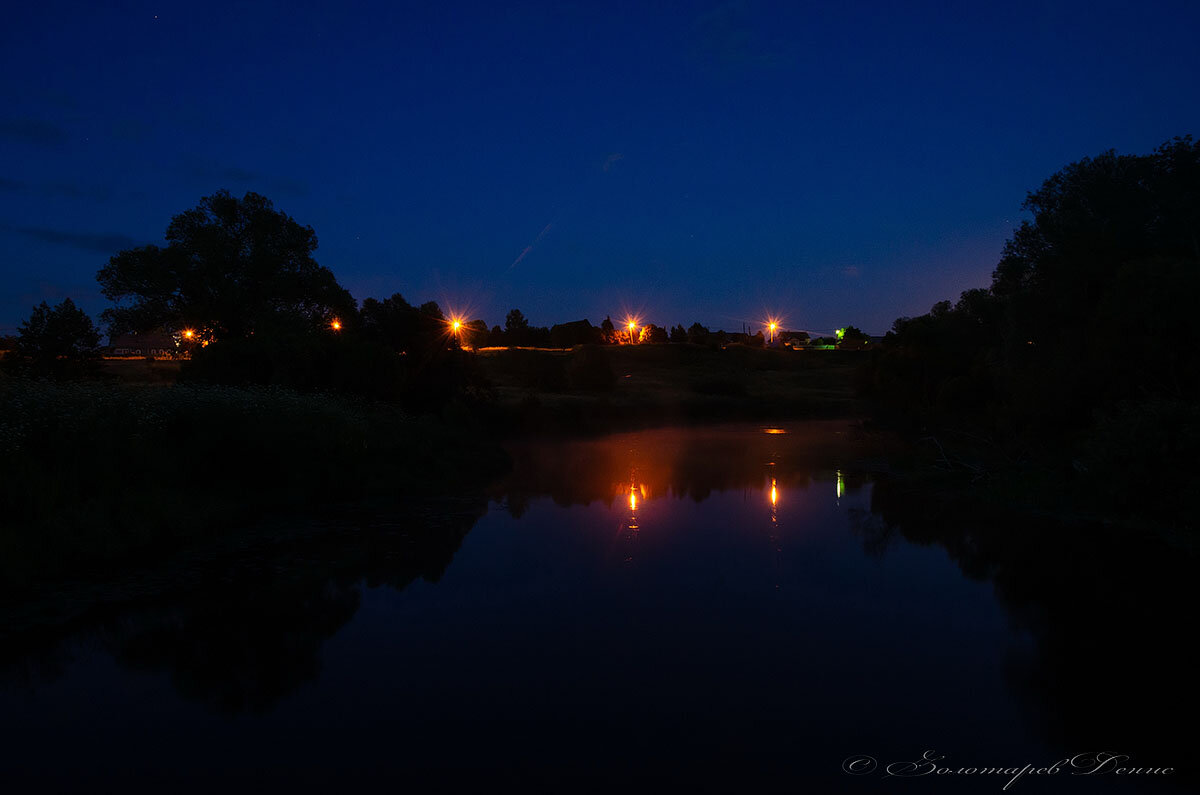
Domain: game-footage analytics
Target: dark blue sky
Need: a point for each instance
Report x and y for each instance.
(690, 161)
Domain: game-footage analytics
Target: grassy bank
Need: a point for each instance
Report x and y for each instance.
(591, 389)
(618, 387)
(97, 475)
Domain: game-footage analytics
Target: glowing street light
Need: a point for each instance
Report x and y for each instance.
(772, 327)
(336, 324)
(189, 334)
(459, 329)
(632, 325)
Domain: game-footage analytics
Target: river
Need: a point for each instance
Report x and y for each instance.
(740, 608)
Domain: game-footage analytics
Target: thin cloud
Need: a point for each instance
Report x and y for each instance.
(68, 190)
(237, 174)
(87, 241)
(285, 186)
(37, 132)
(851, 271)
(728, 36)
(245, 178)
(72, 190)
(612, 160)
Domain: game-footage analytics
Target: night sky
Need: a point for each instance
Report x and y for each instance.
(709, 162)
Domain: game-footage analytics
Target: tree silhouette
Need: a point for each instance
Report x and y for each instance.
(851, 338)
(654, 334)
(393, 322)
(516, 328)
(514, 321)
(232, 268)
(698, 334)
(63, 332)
(1083, 353)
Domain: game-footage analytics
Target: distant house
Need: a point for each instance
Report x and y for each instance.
(153, 343)
(793, 339)
(577, 332)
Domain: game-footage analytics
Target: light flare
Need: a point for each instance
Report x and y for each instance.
(772, 325)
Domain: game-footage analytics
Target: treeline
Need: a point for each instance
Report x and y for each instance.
(237, 288)
(237, 291)
(518, 333)
(1083, 355)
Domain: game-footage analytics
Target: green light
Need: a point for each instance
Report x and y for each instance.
(840, 333)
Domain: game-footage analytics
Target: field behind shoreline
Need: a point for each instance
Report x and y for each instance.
(548, 390)
(656, 384)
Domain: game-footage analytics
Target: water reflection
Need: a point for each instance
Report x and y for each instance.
(249, 631)
(691, 463)
(729, 618)
(1104, 607)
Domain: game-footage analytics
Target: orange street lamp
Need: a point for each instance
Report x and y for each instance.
(458, 329)
(188, 334)
(632, 325)
(336, 325)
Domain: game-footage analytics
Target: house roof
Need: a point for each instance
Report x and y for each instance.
(149, 340)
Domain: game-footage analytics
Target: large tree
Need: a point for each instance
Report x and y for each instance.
(58, 333)
(231, 267)
(1090, 307)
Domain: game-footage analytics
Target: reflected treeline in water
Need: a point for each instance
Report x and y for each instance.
(691, 463)
(1110, 613)
(240, 634)
(531, 626)
(245, 633)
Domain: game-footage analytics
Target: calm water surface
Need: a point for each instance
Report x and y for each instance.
(729, 609)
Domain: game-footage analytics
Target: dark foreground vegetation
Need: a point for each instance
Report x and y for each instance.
(1072, 383)
(96, 476)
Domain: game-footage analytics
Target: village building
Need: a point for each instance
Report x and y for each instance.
(153, 343)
